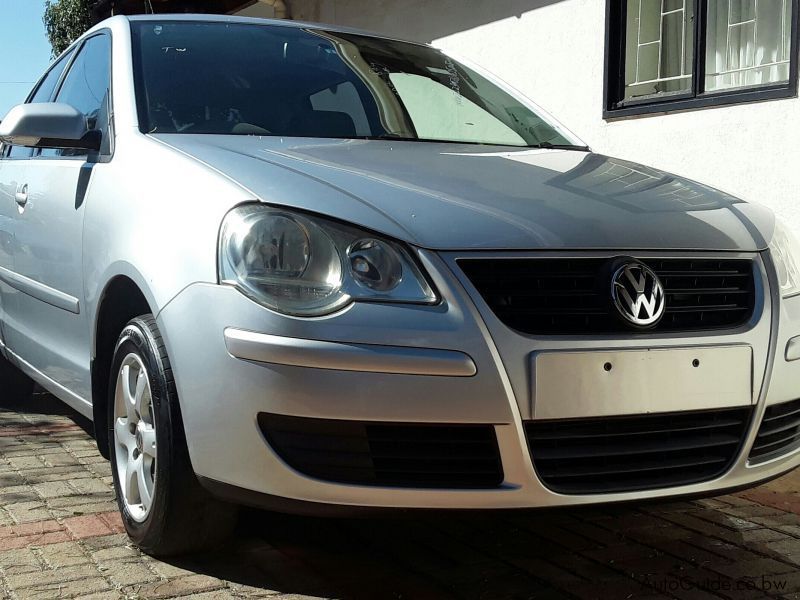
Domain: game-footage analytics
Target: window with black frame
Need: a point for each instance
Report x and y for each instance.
(679, 54)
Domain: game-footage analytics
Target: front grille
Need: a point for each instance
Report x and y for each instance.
(387, 454)
(560, 296)
(622, 454)
(779, 433)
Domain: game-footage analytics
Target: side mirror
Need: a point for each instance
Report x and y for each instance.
(48, 125)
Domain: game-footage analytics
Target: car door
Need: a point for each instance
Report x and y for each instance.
(12, 173)
(48, 327)
(14, 161)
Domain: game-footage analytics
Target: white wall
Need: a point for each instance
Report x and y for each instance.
(552, 50)
(260, 10)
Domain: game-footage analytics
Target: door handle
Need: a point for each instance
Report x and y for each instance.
(22, 195)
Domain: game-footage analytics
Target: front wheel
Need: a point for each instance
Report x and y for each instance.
(164, 508)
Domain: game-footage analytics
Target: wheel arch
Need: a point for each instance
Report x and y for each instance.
(122, 299)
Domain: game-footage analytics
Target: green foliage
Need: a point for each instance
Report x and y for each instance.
(64, 21)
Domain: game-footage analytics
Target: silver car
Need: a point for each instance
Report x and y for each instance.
(310, 268)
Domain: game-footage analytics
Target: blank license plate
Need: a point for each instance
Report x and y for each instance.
(598, 383)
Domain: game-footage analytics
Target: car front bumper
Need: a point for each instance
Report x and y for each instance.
(454, 363)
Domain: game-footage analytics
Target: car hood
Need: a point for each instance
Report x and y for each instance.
(469, 197)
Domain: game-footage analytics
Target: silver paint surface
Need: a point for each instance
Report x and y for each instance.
(152, 214)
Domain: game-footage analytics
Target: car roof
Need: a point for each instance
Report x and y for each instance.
(208, 18)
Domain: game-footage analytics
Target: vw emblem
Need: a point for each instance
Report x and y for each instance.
(638, 294)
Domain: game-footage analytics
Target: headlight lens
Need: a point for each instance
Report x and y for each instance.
(375, 265)
(785, 251)
(305, 265)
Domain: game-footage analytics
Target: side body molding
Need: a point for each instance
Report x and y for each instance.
(40, 291)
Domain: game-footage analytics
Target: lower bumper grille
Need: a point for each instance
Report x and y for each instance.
(387, 454)
(621, 454)
(779, 433)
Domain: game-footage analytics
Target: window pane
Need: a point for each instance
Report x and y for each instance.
(649, 21)
(343, 98)
(87, 82)
(439, 113)
(43, 93)
(672, 44)
(659, 46)
(286, 81)
(648, 62)
(48, 85)
(741, 11)
(20, 152)
(86, 85)
(747, 43)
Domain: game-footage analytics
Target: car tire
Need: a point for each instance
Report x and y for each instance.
(15, 385)
(164, 508)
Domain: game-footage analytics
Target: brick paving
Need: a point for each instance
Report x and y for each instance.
(60, 537)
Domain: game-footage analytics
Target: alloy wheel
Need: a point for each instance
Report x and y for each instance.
(135, 437)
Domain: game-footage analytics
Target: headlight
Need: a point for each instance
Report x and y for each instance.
(305, 265)
(785, 251)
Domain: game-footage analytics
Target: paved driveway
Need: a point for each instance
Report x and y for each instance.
(60, 537)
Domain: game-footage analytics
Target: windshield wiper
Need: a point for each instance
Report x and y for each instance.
(545, 145)
(401, 138)
(551, 146)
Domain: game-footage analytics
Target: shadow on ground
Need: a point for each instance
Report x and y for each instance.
(38, 410)
(680, 549)
(623, 553)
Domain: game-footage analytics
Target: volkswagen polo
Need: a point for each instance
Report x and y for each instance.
(310, 268)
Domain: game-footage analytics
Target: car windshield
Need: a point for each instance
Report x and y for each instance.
(251, 79)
